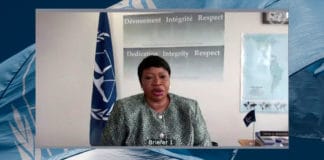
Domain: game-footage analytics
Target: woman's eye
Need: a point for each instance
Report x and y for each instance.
(147, 78)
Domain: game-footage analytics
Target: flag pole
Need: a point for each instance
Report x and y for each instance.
(252, 143)
(253, 134)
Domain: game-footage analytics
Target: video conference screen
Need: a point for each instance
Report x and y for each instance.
(227, 86)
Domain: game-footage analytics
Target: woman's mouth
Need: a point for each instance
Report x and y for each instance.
(157, 92)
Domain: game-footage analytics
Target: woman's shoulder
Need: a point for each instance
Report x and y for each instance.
(183, 100)
(129, 104)
(134, 99)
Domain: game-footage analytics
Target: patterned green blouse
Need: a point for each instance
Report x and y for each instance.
(133, 123)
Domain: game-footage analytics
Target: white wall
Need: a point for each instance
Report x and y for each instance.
(65, 47)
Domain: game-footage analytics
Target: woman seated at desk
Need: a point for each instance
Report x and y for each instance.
(155, 117)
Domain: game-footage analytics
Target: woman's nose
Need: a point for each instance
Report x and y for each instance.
(157, 81)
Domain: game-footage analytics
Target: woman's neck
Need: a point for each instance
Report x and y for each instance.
(159, 106)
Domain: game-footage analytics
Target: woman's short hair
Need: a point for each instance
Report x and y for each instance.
(152, 61)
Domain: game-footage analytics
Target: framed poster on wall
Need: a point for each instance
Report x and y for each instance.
(264, 79)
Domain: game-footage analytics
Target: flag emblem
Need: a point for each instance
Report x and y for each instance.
(104, 84)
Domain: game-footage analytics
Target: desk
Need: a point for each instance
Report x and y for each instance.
(248, 143)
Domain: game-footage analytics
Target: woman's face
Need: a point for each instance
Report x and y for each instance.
(155, 82)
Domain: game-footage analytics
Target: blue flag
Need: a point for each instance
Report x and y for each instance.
(104, 85)
(249, 118)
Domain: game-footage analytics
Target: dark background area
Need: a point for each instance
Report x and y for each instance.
(18, 20)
